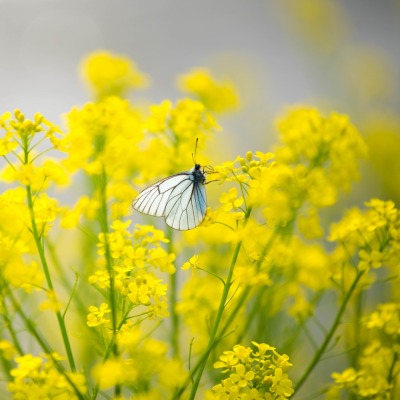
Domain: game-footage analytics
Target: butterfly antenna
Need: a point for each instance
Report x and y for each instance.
(195, 151)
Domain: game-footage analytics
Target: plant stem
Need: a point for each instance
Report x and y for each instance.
(32, 329)
(319, 353)
(247, 290)
(46, 270)
(173, 289)
(10, 328)
(213, 335)
(103, 219)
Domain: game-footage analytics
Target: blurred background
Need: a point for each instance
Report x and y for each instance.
(336, 55)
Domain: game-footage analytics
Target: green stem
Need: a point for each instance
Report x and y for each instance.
(391, 370)
(63, 278)
(319, 353)
(246, 292)
(222, 304)
(103, 219)
(32, 329)
(46, 270)
(10, 328)
(173, 289)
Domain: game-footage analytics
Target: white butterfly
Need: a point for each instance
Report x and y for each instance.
(180, 199)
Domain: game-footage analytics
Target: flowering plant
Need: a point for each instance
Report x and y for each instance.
(96, 306)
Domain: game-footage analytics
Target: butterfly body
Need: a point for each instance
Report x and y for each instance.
(180, 199)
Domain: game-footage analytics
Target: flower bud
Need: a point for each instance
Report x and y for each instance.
(38, 117)
(18, 115)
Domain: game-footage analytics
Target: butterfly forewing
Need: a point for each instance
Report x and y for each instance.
(179, 198)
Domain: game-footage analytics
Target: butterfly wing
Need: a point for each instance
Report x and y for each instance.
(178, 198)
(153, 200)
(187, 210)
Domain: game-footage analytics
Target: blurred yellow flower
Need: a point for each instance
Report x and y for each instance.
(217, 96)
(109, 74)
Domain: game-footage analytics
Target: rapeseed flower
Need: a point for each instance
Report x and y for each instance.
(216, 96)
(109, 74)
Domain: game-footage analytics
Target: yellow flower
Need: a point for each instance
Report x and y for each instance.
(324, 144)
(228, 360)
(157, 121)
(190, 118)
(192, 263)
(110, 74)
(104, 136)
(7, 144)
(242, 377)
(172, 373)
(38, 377)
(7, 350)
(264, 369)
(217, 96)
(231, 200)
(349, 375)
(51, 303)
(387, 318)
(115, 372)
(96, 317)
(369, 260)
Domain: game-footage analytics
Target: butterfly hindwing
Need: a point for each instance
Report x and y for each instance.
(184, 215)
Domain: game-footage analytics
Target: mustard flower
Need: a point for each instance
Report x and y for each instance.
(109, 74)
(260, 372)
(157, 121)
(192, 263)
(114, 372)
(146, 289)
(187, 120)
(369, 260)
(103, 136)
(386, 318)
(323, 144)
(347, 377)
(7, 350)
(96, 317)
(231, 200)
(371, 378)
(218, 96)
(37, 377)
(51, 303)
(227, 361)
(242, 377)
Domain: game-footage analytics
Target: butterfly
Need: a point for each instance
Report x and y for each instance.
(180, 198)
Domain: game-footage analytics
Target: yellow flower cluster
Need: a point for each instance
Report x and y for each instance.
(131, 264)
(146, 359)
(307, 171)
(255, 373)
(323, 145)
(378, 363)
(216, 96)
(103, 135)
(39, 378)
(373, 235)
(111, 75)
(386, 318)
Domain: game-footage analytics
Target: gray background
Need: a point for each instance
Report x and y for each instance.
(257, 44)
